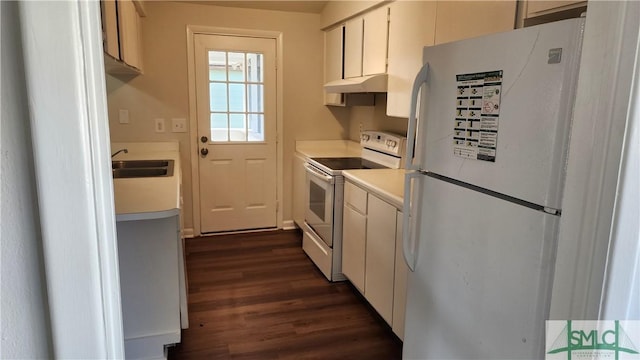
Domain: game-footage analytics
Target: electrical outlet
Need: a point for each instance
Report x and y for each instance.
(159, 125)
(123, 116)
(360, 128)
(179, 125)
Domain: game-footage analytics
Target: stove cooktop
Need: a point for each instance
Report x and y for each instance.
(348, 163)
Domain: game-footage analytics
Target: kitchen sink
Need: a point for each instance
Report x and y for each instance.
(141, 168)
(126, 164)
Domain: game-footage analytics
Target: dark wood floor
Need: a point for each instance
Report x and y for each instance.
(258, 296)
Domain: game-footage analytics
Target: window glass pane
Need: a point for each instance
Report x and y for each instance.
(256, 127)
(236, 97)
(217, 65)
(219, 127)
(254, 68)
(255, 98)
(237, 127)
(236, 66)
(218, 96)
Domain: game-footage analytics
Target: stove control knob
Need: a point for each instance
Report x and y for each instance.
(365, 137)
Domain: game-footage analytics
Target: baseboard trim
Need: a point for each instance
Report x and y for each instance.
(289, 225)
(188, 233)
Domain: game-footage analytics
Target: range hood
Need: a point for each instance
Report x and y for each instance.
(363, 84)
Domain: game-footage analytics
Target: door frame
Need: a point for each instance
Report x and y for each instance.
(192, 30)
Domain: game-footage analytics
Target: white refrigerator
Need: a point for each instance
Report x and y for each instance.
(483, 204)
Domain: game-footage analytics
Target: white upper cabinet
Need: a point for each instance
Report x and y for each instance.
(543, 7)
(365, 44)
(457, 20)
(412, 27)
(416, 24)
(353, 32)
(374, 47)
(333, 62)
(122, 34)
(130, 33)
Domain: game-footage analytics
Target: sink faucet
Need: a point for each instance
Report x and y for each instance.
(119, 151)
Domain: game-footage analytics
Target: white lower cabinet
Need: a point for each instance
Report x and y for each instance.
(353, 228)
(380, 256)
(148, 259)
(371, 253)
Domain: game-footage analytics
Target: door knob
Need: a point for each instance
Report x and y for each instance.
(204, 139)
(204, 151)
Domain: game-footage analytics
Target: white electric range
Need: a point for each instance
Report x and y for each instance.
(322, 239)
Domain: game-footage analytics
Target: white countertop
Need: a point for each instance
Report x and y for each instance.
(388, 184)
(328, 148)
(148, 197)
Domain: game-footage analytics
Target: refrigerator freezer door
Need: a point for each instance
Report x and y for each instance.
(522, 112)
(483, 277)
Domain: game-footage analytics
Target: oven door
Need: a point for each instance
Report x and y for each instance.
(319, 205)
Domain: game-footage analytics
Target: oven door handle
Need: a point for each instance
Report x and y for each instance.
(319, 174)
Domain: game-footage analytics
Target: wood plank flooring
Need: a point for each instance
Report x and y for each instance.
(258, 296)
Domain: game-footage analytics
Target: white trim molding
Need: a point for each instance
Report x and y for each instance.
(600, 121)
(289, 225)
(62, 44)
(193, 120)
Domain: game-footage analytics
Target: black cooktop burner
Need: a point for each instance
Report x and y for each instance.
(348, 163)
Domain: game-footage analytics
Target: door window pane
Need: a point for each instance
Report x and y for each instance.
(219, 126)
(237, 127)
(217, 65)
(236, 96)
(236, 67)
(218, 96)
(254, 68)
(256, 127)
(255, 98)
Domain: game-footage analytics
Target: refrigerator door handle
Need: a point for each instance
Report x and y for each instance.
(408, 221)
(420, 79)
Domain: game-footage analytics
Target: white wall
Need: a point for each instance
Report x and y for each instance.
(24, 317)
(374, 118)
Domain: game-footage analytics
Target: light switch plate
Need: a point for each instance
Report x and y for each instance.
(159, 122)
(123, 116)
(179, 125)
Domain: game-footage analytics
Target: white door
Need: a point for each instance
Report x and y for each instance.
(236, 110)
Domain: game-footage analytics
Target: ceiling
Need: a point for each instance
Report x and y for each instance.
(305, 6)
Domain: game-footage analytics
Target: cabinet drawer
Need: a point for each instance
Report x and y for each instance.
(355, 197)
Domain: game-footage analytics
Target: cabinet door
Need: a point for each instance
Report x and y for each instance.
(380, 256)
(538, 7)
(457, 20)
(299, 187)
(412, 27)
(129, 26)
(110, 28)
(374, 45)
(353, 246)
(333, 62)
(353, 48)
(400, 283)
